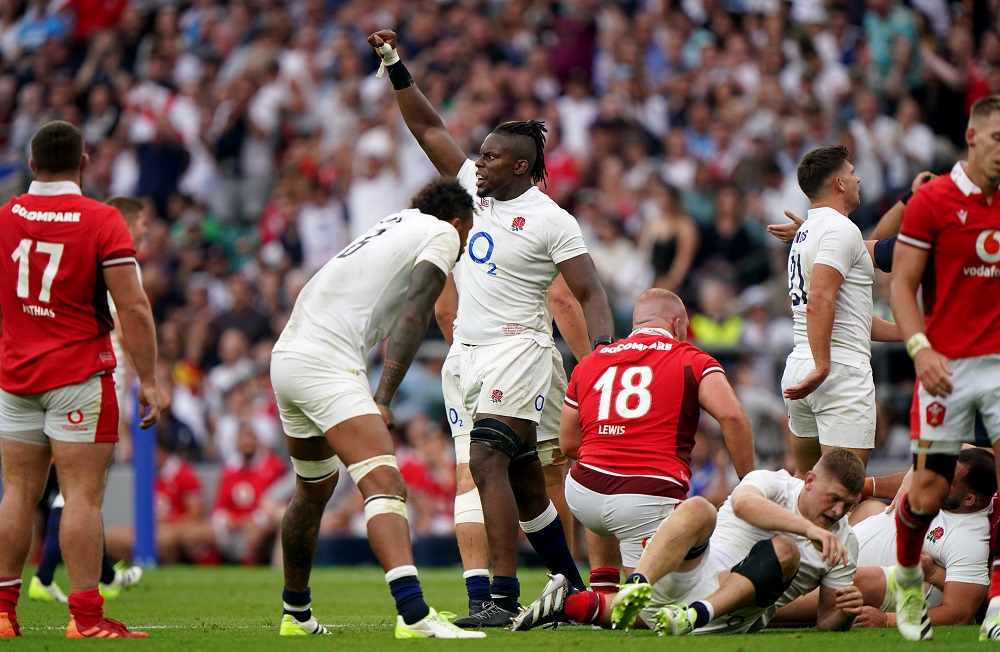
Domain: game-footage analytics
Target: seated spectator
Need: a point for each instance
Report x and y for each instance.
(178, 504)
(237, 530)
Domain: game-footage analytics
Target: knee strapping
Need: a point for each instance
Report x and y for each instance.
(359, 470)
(316, 470)
(496, 435)
(384, 504)
(469, 508)
(525, 455)
(697, 551)
(763, 570)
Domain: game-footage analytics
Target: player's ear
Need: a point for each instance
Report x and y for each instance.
(520, 167)
(84, 162)
(31, 166)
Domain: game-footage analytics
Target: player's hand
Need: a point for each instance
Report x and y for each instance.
(786, 232)
(387, 416)
(834, 552)
(904, 487)
(933, 371)
(871, 617)
(382, 36)
(921, 179)
(807, 385)
(149, 404)
(850, 601)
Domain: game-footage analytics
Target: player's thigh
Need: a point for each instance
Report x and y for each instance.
(588, 507)
(25, 469)
(82, 468)
(84, 412)
(634, 519)
(801, 420)
(506, 379)
(844, 406)
(314, 397)
(22, 419)
(943, 423)
(549, 404)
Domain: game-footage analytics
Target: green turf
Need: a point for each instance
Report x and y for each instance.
(225, 608)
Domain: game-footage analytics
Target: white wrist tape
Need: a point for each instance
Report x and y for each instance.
(389, 57)
(917, 343)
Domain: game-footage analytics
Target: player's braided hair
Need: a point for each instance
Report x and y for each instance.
(534, 129)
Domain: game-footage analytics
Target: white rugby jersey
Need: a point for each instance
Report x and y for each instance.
(958, 542)
(733, 533)
(830, 238)
(509, 263)
(353, 302)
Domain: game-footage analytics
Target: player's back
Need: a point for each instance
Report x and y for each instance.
(638, 404)
(353, 302)
(56, 318)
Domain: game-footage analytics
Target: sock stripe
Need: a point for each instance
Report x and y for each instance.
(16, 582)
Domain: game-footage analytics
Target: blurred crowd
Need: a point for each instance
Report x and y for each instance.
(264, 143)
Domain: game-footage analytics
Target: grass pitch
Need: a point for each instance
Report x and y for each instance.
(228, 608)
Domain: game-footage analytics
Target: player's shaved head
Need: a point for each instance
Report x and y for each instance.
(526, 140)
(982, 109)
(659, 308)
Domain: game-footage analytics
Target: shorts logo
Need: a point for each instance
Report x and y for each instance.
(496, 396)
(935, 414)
(988, 246)
(935, 535)
(517, 224)
(75, 417)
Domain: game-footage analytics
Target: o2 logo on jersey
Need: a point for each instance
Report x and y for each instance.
(988, 246)
(476, 248)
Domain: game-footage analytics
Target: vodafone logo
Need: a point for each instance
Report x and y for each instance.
(988, 246)
(75, 417)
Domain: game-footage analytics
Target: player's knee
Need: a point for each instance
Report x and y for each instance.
(463, 479)
(701, 513)
(316, 479)
(496, 435)
(788, 556)
(378, 475)
(765, 571)
(468, 507)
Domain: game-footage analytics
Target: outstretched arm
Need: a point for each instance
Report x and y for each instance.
(422, 120)
(425, 286)
(581, 277)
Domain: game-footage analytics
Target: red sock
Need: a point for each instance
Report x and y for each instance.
(910, 530)
(605, 580)
(87, 607)
(586, 607)
(10, 591)
(995, 580)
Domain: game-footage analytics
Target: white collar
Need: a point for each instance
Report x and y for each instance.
(823, 209)
(652, 331)
(53, 188)
(962, 180)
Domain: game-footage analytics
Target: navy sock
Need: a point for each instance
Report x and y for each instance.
(550, 544)
(702, 617)
(107, 570)
(636, 578)
(504, 591)
(51, 552)
(298, 604)
(409, 599)
(478, 588)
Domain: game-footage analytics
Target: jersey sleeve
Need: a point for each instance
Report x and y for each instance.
(467, 177)
(966, 560)
(843, 574)
(114, 243)
(840, 247)
(918, 228)
(565, 239)
(765, 482)
(441, 247)
(703, 364)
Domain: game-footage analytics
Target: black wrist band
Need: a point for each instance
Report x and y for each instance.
(399, 76)
(906, 197)
(602, 340)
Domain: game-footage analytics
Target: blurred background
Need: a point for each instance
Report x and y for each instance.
(262, 143)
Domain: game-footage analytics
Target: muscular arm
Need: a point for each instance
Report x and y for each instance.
(908, 264)
(138, 334)
(829, 616)
(959, 603)
(884, 331)
(752, 506)
(570, 433)
(446, 309)
(426, 282)
(825, 284)
(423, 121)
(716, 396)
(569, 317)
(581, 277)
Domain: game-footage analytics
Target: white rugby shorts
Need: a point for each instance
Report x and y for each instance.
(947, 422)
(506, 379)
(315, 395)
(84, 412)
(841, 412)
